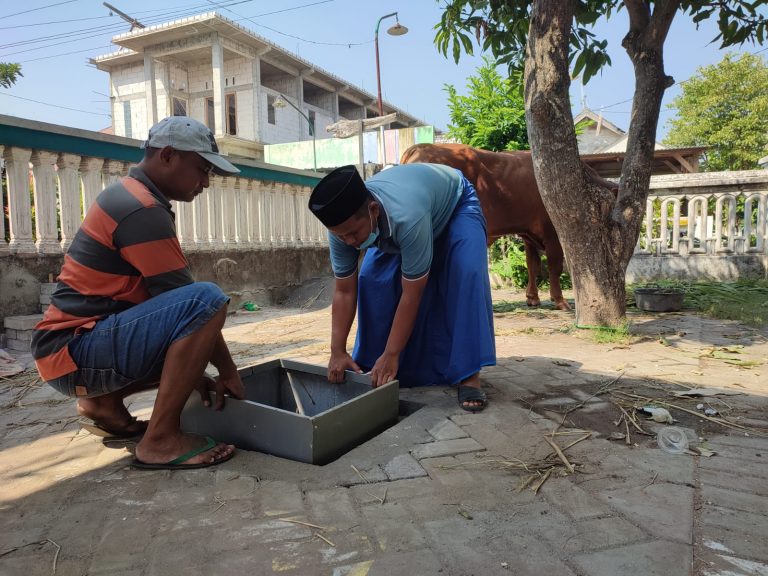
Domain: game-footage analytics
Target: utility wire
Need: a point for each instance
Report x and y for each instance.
(116, 25)
(53, 22)
(675, 84)
(55, 105)
(66, 53)
(75, 35)
(347, 44)
(39, 8)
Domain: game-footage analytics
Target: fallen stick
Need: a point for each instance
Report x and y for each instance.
(560, 454)
(540, 483)
(302, 523)
(362, 477)
(325, 539)
(631, 419)
(587, 435)
(720, 421)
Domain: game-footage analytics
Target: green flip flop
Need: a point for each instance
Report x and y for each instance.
(179, 463)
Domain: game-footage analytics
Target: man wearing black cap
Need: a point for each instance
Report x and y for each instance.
(127, 315)
(422, 291)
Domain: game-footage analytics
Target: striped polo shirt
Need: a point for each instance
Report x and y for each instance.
(125, 252)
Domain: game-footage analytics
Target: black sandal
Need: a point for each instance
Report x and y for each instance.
(134, 430)
(472, 394)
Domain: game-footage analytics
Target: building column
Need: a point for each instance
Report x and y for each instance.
(3, 243)
(19, 205)
(150, 89)
(166, 81)
(300, 103)
(200, 219)
(217, 65)
(46, 232)
(90, 172)
(258, 94)
(112, 171)
(335, 106)
(69, 183)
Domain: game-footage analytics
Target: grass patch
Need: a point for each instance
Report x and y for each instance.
(609, 335)
(504, 306)
(744, 301)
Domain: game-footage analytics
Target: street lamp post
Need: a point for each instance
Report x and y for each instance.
(280, 102)
(396, 30)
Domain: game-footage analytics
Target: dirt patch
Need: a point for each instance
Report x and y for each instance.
(591, 408)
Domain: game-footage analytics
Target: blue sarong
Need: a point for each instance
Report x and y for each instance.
(453, 335)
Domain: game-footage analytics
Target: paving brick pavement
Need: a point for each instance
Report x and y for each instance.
(441, 492)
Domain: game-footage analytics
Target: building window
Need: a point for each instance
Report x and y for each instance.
(179, 107)
(271, 109)
(311, 117)
(127, 119)
(231, 114)
(210, 117)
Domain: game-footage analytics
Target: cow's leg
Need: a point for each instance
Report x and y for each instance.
(533, 261)
(555, 265)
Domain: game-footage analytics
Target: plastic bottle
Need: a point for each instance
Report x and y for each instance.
(672, 440)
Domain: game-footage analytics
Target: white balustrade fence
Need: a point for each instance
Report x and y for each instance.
(716, 213)
(48, 194)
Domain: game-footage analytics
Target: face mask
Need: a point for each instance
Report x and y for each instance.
(372, 236)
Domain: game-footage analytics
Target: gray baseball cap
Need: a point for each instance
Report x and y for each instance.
(187, 134)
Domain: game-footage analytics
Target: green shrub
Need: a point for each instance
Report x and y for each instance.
(507, 255)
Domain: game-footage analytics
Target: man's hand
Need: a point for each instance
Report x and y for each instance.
(223, 383)
(338, 363)
(385, 369)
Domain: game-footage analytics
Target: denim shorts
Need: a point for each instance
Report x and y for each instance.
(130, 347)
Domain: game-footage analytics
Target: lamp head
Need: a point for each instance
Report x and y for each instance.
(279, 102)
(397, 30)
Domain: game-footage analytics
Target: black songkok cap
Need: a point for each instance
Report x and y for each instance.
(338, 196)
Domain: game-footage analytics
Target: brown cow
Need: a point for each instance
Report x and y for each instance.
(511, 203)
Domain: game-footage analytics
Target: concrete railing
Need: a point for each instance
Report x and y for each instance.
(709, 225)
(706, 213)
(54, 174)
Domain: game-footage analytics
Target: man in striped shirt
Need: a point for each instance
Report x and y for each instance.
(127, 315)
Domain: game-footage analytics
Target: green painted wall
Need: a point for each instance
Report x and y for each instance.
(331, 152)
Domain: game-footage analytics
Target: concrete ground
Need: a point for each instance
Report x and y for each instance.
(443, 491)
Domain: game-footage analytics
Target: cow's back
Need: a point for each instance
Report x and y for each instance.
(504, 181)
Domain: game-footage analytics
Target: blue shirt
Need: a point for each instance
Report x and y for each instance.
(416, 201)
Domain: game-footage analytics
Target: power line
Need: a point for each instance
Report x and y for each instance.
(65, 54)
(75, 35)
(675, 84)
(53, 22)
(55, 105)
(159, 18)
(347, 44)
(39, 8)
(114, 26)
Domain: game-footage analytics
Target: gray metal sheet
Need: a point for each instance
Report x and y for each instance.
(337, 417)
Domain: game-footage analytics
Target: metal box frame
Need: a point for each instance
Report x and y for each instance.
(337, 417)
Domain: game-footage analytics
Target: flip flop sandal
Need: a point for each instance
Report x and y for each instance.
(179, 463)
(113, 434)
(470, 394)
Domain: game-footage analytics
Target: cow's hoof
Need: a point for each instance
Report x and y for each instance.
(562, 305)
(533, 302)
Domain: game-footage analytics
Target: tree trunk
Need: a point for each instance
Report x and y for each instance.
(598, 232)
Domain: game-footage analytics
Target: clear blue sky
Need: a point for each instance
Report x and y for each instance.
(53, 40)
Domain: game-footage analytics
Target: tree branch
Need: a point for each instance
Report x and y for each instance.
(639, 15)
(661, 20)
